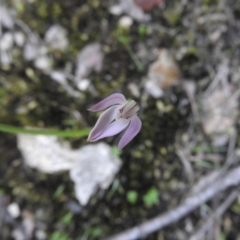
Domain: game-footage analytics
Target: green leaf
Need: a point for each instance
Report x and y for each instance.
(114, 188)
(59, 191)
(96, 232)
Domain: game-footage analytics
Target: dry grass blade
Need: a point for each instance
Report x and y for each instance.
(220, 211)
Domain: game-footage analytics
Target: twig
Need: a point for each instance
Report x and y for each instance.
(220, 211)
(136, 61)
(221, 76)
(186, 164)
(231, 148)
(192, 101)
(0, 21)
(231, 178)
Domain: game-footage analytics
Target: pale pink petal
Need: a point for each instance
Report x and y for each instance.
(113, 129)
(116, 98)
(133, 129)
(103, 121)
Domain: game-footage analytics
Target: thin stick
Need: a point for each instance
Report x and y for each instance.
(186, 164)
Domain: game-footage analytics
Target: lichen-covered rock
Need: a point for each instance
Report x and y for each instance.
(45, 153)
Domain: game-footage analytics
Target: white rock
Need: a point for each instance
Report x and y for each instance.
(83, 84)
(5, 18)
(18, 234)
(91, 167)
(40, 235)
(153, 89)
(14, 210)
(6, 42)
(56, 37)
(45, 153)
(96, 167)
(5, 58)
(30, 51)
(43, 63)
(115, 10)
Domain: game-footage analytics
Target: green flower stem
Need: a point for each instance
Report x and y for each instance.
(47, 132)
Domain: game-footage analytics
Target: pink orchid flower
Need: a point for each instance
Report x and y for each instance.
(119, 115)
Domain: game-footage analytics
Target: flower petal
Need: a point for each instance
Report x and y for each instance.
(116, 98)
(133, 129)
(102, 122)
(113, 129)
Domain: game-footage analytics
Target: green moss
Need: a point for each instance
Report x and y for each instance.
(42, 9)
(57, 9)
(173, 17)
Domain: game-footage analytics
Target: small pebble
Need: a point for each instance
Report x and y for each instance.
(115, 10)
(14, 210)
(125, 22)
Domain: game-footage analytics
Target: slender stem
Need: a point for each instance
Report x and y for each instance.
(59, 133)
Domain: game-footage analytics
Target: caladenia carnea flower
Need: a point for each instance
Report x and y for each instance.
(119, 115)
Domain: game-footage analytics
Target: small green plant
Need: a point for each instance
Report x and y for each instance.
(66, 220)
(142, 30)
(1, 191)
(59, 191)
(222, 236)
(132, 196)
(151, 197)
(116, 152)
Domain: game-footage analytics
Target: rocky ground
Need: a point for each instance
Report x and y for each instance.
(179, 60)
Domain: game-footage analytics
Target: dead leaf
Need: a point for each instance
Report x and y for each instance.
(163, 73)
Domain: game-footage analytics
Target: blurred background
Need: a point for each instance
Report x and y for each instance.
(179, 59)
